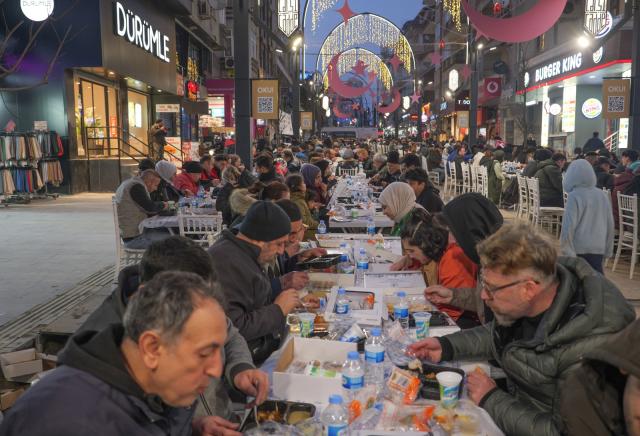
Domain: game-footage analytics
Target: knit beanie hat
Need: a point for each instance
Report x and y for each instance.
(192, 167)
(266, 222)
(291, 209)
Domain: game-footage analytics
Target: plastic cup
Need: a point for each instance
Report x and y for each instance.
(306, 323)
(423, 319)
(449, 388)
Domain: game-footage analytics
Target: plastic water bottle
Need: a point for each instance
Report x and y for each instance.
(362, 266)
(371, 226)
(182, 205)
(374, 358)
(401, 310)
(200, 196)
(342, 306)
(360, 168)
(194, 203)
(352, 376)
(369, 418)
(335, 417)
(322, 228)
(345, 266)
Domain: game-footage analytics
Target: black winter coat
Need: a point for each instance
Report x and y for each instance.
(550, 181)
(93, 394)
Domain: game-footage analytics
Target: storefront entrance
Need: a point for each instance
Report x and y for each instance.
(96, 114)
(138, 112)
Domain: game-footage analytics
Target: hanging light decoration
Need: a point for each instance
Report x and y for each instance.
(442, 44)
(366, 29)
(497, 8)
(406, 102)
(349, 58)
(318, 7)
(325, 102)
(453, 8)
(328, 113)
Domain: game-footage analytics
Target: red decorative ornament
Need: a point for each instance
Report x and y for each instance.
(497, 8)
(442, 44)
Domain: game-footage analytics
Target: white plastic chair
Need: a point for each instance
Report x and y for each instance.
(203, 229)
(474, 178)
(466, 177)
(549, 217)
(628, 230)
(523, 198)
(483, 181)
(347, 171)
(434, 177)
(452, 181)
(124, 256)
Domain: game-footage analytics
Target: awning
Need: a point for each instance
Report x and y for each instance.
(195, 107)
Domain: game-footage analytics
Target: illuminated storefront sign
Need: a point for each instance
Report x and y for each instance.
(36, 10)
(140, 32)
(288, 16)
(591, 108)
(563, 66)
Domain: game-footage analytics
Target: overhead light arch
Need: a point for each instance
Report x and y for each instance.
(349, 58)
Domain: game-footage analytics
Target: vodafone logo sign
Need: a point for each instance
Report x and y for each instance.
(492, 87)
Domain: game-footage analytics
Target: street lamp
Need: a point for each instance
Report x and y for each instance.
(584, 42)
(480, 46)
(295, 44)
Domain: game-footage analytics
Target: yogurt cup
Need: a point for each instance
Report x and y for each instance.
(306, 323)
(449, 388)
(423, 320)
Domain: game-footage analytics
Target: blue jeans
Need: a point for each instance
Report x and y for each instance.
(595, 260)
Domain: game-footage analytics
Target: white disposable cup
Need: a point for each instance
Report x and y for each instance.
(306, 323)
(449, 388)
(423, 319)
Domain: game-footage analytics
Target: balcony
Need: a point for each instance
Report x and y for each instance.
(178, 7)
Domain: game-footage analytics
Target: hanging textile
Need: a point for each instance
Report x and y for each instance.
(51, 172)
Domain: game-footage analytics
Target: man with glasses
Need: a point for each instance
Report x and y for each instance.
(549, 312)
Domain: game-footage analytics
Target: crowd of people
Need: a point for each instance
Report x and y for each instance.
(540, 310)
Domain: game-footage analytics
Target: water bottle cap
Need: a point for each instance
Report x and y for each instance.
(335, 399)
(379, 406)
(363, 251)
(353, 355)
(341, 291)
(402, 294)
(344, 258)
(375, 331)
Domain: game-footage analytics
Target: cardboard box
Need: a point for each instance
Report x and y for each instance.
(19, 364)
(8, 397)
(303, 388)
(364, 317)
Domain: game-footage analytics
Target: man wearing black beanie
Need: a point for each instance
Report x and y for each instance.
(239, 261)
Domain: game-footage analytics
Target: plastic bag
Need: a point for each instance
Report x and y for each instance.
(273, 428)
(403, 386)
(396, 417)
(396, 342)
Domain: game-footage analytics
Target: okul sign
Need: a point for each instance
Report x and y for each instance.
(139, 32)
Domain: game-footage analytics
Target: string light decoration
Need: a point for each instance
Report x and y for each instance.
(366, 29)
(453, 8)
(349, 58)
(318, 7)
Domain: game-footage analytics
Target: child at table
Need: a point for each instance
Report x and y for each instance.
(429, 246)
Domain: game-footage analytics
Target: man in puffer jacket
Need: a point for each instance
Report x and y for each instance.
(549, 312)
(549, 177)
(605, 388)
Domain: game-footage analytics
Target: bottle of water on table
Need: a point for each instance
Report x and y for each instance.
(362, 266)
(374, 358)
(322, 228)
(401, 310)
(335, 417)
(371, 226)
(342, 306)
(345, 266)
(352, 376)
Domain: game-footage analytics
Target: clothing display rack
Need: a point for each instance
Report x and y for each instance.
(29, 163)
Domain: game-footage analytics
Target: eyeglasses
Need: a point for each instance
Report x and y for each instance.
(491, 290)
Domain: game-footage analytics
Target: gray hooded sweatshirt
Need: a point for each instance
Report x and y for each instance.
(587, 225)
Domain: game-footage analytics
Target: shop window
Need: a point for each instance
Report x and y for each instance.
(96, 119)
(138, 116)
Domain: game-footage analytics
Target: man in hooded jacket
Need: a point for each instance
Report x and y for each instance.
(605, 389)
(470, 218)
(181, 254)
(141, 377)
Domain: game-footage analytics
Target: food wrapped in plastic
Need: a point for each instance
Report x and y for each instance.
(464, 420)
(310, 427)
(396, 342)
(272, 428)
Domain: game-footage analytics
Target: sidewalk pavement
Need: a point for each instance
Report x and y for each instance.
(48, 246)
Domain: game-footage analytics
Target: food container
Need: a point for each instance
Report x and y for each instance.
(450, 386)
(320, 263)
(282, 412)
(430, 389)
(422, 324)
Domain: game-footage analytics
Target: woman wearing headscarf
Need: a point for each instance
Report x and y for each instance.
(313, 180)
(230, 178)
(166, 191)
(397, 201)
(328, 178)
